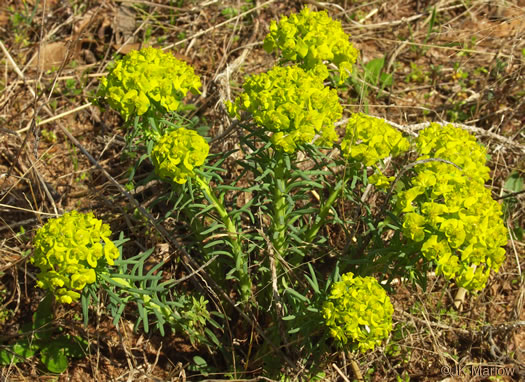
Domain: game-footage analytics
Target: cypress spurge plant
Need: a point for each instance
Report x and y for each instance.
(295, 108)
(175, 157)
(358, 312)
(76, 257)
(148, 80)
(69, 251)
(436, 212)
(448, 211)
(312, 39)
(146, 85)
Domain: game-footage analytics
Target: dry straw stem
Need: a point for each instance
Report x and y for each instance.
(438, 325)
(401, 47)
(512, 239)
(451, 48)
(413, 129)
(440, 7)
(24, 173)
(435, 342)
(356, 370)
(56, 117)
(460, 298)
(30, 125)
(401, 21)
(201, 33)
(63, 78)
(486, 329)
(224, 77)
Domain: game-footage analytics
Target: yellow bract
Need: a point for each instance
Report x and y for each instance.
(456, 145)
(292, 104)
(177, 153)
(450, 211)
(379, 180)
(358, 312)
(69, 250)
(368, 140)
(310, 38)
(148, 79)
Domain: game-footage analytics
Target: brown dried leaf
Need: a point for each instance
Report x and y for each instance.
(52, 55)
(124, 24)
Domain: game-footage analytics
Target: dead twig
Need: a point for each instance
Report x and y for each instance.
(240, 15)
(357, 374)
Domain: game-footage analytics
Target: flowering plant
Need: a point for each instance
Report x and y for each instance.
(147, 80)
(310, 38)
(177, 153)
(285, 178)
(292, 104)
(369, 140)
(450, 212)
(456, 145)
(358, 311)
(73, 253)
(69, 251)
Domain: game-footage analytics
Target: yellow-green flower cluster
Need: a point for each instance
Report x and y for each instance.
(358, 312)
(450, 212)
(311, 38)
(457, 146)
(379, 180)
(292, 104)
(148, 79)
(177, 153)
(369, 140)
(69, 250)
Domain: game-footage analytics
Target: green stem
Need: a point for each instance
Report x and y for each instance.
(323, 212)
(280, 205)
(168, 314)
(241, 264)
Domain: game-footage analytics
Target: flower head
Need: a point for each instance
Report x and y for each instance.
(358, 312)
(369, 139)
(310, 38)
(292, 104)
(69, 251)
(380, 180)
(450, 212)
(148, 79)
(456, 145)
(177, 153)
